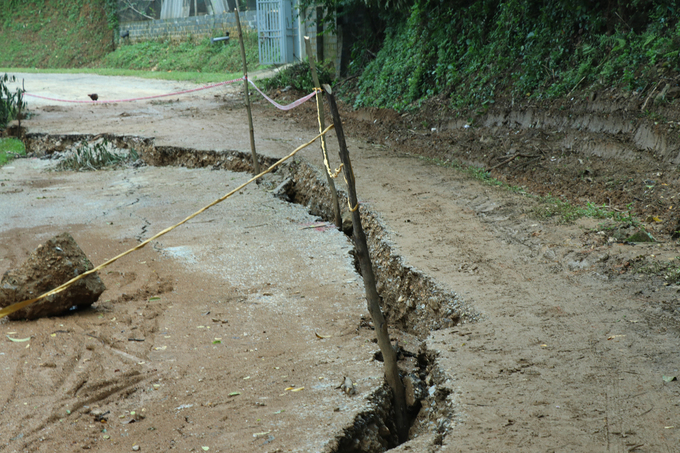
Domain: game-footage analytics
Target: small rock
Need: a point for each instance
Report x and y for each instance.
(135, 448)
(348, 387)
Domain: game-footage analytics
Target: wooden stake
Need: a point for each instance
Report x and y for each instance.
(372, 297)
(256, 162)
(324, 150)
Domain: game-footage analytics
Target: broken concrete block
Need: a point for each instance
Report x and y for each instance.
(50, 265)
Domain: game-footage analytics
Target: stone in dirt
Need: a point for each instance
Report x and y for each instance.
(50, 265)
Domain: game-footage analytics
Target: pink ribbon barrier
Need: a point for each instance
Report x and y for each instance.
(284, 107)
(206, 87)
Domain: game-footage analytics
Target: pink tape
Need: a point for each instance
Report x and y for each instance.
(284, 107)
(136, 99)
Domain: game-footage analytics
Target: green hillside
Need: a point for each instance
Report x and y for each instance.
(53, 33)
(473, 52)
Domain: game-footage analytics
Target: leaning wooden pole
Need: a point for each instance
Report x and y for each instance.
(324, 150)
(372, 298)
(256, 162)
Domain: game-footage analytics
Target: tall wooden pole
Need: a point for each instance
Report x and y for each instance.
(324, 150)
(372, 297)
(256, 162)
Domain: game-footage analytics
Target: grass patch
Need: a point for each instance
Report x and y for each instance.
(476, 173)
(192, 55)
(54, 33)
(10, 148)
(95, 156)
(549, 207)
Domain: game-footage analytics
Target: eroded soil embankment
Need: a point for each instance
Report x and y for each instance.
(598, 148)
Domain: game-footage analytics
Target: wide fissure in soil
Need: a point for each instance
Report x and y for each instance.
(413, 302)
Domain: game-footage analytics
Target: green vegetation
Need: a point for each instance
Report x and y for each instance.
(9, 149)
(189, 56)
(299, 77)
(566, 212)
(670, 271)
(53, 33)
(474, 52)
(10, 103)
(548, 207)
(77, 36)
(96, 156)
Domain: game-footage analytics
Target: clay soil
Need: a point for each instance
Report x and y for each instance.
(562, 342)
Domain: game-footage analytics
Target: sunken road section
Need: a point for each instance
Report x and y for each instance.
(413, 302)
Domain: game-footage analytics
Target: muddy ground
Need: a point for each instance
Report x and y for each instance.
(543, 336)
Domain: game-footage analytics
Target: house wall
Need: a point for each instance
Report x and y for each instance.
(181, 28)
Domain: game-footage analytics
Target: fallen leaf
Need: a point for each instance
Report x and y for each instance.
(298, 389)
(18, 340)
(288, 388)
(234, 393)
(261, 434)
(205, 448)
(151, 299)
(217, 342)
(160, 348)
(669, 378)
(246, 378)
(321, 337)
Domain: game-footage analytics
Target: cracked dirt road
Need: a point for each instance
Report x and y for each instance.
(559, 352)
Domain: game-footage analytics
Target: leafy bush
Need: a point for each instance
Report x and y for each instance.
(10, 103)
(299, 77)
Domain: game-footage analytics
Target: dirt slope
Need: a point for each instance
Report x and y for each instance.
(564, 347)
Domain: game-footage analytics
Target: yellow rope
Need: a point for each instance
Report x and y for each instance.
(352, 209)
(19, 305)
(324, 151)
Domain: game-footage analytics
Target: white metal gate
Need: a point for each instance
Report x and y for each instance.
(277, 30)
